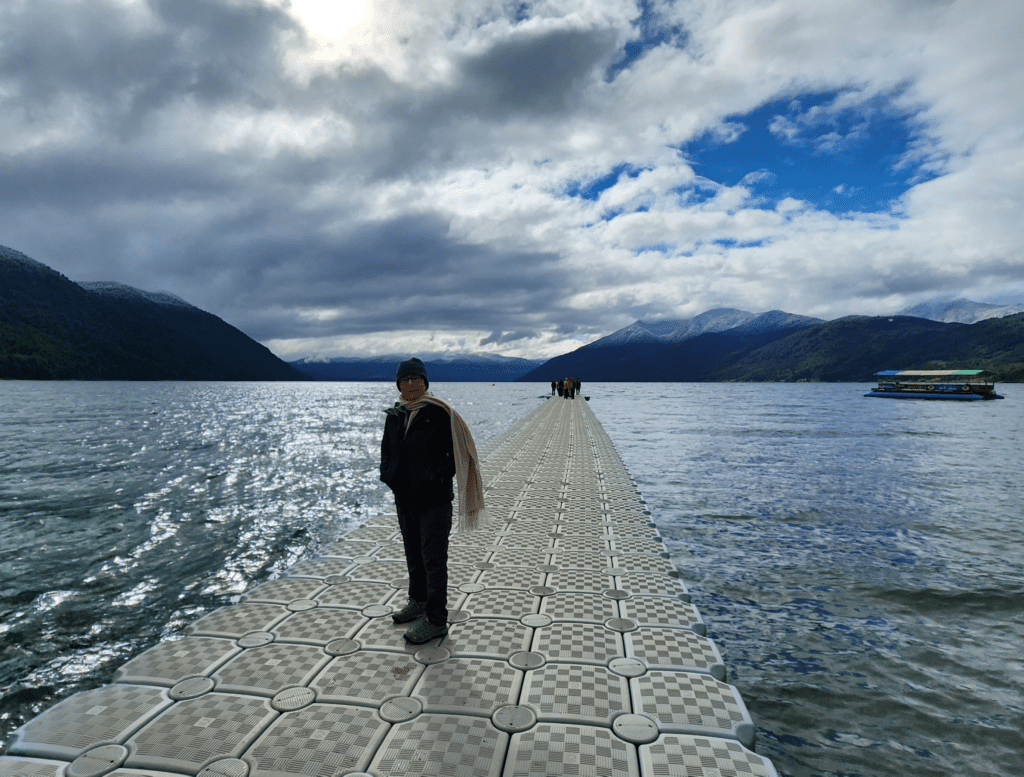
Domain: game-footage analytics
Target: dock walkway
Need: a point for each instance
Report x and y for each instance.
(573, 649)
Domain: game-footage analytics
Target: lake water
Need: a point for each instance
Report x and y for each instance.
(859, 562)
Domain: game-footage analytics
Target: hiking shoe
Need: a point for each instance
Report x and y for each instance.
(410, 612)
(424, 631)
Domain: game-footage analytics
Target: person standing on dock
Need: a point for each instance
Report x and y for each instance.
(426, 442)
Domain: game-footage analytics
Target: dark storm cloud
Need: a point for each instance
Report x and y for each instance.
(536, 74)
(76, 179)
(405, 273)
(256, 259)
(212, 52)
(537, 78)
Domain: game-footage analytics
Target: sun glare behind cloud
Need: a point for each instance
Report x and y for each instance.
(336, 20)
(335, 30)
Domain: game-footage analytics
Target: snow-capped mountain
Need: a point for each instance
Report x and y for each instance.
(454, 367)
(676, 330)
(716, 320)
(114, 291)
(959, 310)
(775, 320)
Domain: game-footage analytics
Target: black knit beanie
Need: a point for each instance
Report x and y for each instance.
(409, 367)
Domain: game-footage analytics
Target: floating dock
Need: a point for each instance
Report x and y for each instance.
(573, 649)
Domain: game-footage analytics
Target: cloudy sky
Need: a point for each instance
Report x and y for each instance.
(378, 176)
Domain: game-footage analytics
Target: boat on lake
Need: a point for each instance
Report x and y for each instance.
(963, 385)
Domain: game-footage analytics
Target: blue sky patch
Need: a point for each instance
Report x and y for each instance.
(811, 147)
(663, 248)
(649, 34)
(733, 243)
(591, 190)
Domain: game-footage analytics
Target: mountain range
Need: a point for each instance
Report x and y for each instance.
(959, 310)
(54, 328)
(455, 368)
(778, 346)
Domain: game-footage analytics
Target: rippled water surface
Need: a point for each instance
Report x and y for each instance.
(859, 561)
(860, 564)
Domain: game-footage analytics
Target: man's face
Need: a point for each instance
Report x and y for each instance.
(412, 387)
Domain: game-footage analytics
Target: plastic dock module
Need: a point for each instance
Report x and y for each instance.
(573, 648)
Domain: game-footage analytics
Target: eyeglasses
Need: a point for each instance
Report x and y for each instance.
(411, 379)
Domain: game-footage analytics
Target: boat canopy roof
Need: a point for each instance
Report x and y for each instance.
(935, 374)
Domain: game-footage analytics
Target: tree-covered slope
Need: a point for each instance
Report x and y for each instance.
(855, 348)
(52, 328)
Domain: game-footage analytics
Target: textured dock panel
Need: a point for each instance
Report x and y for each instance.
(467, 554)
(321, 568)
(285, 590)
(367, 678)
(356, 596)
(375, 534)
(576, 693)
(349, 550)
(521, 578)
(322, 740)
(170, 662)
(675, 755)
(104, 715)
(583, 580)
(442, 746)
(196, 732)
(319, 626)
(11, 766)
(686, 703)
(662, 613)
(580, 607)
(586, 643)
(641, 583)
(267, 670)
(498, 603)
(378, 571)
(675, 649)
(462, 686)
(384, 634)
(239, 620)
(554, 749)
(488, 638)
(390, 551)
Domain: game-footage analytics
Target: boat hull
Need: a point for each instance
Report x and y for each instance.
(931, 395)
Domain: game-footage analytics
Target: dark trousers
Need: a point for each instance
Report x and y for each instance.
(425, 536)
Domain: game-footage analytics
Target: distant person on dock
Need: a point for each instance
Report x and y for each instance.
(570, 390)
(560, 388)
(553, 388)
(426, 443)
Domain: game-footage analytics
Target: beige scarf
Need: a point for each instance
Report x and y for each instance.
(467, 463)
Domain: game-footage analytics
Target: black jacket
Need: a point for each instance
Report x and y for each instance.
(418, 465)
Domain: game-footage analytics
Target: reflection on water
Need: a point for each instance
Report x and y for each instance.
(858, 561)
